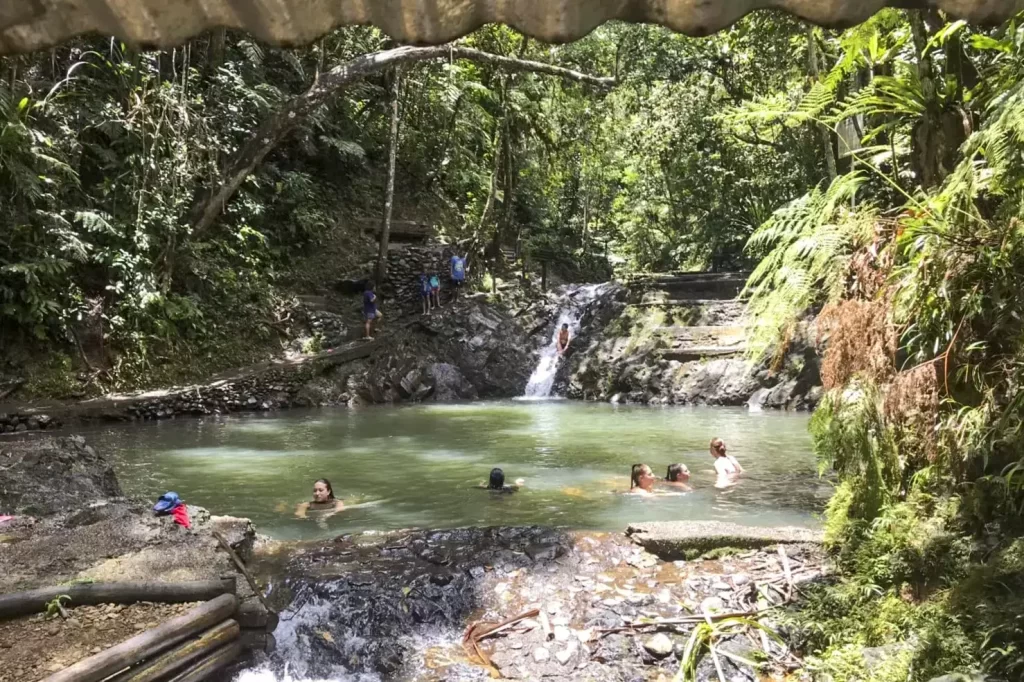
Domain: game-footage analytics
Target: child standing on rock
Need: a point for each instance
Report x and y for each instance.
(370, 312)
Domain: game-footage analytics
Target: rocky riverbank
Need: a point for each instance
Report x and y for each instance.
(682, 343)
(570, 605)
(71, 524)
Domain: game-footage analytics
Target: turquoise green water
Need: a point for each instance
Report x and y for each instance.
(417, 465)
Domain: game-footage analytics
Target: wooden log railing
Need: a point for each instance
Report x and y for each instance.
(174, 660)
(152, 642)
(34, 601)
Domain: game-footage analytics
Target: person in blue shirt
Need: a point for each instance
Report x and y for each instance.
(458, 274)
(425, 293)
(435, 290)
(370, 312)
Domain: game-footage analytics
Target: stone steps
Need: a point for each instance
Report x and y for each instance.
(694, 285)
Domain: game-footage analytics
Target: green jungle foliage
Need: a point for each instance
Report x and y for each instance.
(104, 152)
(923, 431)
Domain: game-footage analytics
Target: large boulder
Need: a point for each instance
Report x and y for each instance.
(449, 383)
(42, 477)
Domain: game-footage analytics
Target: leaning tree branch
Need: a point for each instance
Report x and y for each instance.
(272, 131)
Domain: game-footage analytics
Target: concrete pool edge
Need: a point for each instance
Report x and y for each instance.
(681, 539)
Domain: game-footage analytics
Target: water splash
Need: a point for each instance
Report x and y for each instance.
(577, 300)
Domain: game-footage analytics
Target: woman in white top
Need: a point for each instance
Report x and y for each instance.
(727, 467)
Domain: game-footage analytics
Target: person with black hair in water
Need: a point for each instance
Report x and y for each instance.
(496, 482)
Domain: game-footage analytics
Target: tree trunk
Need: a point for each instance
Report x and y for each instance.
(826, 134)
(209, 203)
(215, 54)
(389, 193)
(34, 601)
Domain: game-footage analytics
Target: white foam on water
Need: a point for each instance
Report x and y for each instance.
(265, 674)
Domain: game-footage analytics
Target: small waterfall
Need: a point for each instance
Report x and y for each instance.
(543, 377)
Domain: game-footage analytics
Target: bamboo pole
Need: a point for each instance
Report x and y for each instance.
(206, 667)
(140, 647)
(177, 658)
(34, 601)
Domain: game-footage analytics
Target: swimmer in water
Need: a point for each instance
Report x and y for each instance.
(496, 482)
(727, 467)
(323, 503)
(641, 480)
(678, 477)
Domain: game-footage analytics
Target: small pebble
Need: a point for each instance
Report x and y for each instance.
(541, 654)
(659, 645)
(562, 634)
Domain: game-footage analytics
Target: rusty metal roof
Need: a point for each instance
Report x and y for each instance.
(33, 24)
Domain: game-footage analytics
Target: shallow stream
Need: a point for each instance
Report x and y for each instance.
(417, 465)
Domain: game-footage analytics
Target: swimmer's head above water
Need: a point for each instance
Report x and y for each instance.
(322, 490)
(497, 479)
(718, 448)
(641, 476)
(677, 473)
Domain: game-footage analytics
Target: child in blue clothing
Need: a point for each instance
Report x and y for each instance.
(435, 290)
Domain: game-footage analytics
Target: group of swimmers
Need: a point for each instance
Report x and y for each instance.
(727, 469)
(642, 482)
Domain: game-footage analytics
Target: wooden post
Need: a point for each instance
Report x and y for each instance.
(176, 659)
(131, 651)
(34, 601)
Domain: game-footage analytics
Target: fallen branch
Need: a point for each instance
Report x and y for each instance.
(478, 630)
(245, 571)
(789, 574)
(34, 601)
(685, 620)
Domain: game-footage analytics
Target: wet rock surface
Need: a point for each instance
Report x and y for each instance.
(71, 523)
(572, 605)
(44, 476)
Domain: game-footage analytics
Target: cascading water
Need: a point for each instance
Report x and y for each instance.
(577, 299)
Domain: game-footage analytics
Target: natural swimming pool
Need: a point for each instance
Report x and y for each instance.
(418, 464)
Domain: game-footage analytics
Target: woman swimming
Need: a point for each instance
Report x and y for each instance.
(641, 480)
(727, 467)
(323, 501)
(677, 476)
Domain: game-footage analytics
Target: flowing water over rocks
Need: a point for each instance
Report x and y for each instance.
(397, 605)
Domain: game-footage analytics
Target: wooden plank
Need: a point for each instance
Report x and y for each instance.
(34, 601)
(129, 652)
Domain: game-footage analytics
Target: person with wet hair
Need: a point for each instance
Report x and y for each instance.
(677, 476)
(323, 503)
(727, 467)
(496, 482)
(641, 480)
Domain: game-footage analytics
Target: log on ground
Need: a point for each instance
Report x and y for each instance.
(138, 648)
(34, 601)
(177, 658)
